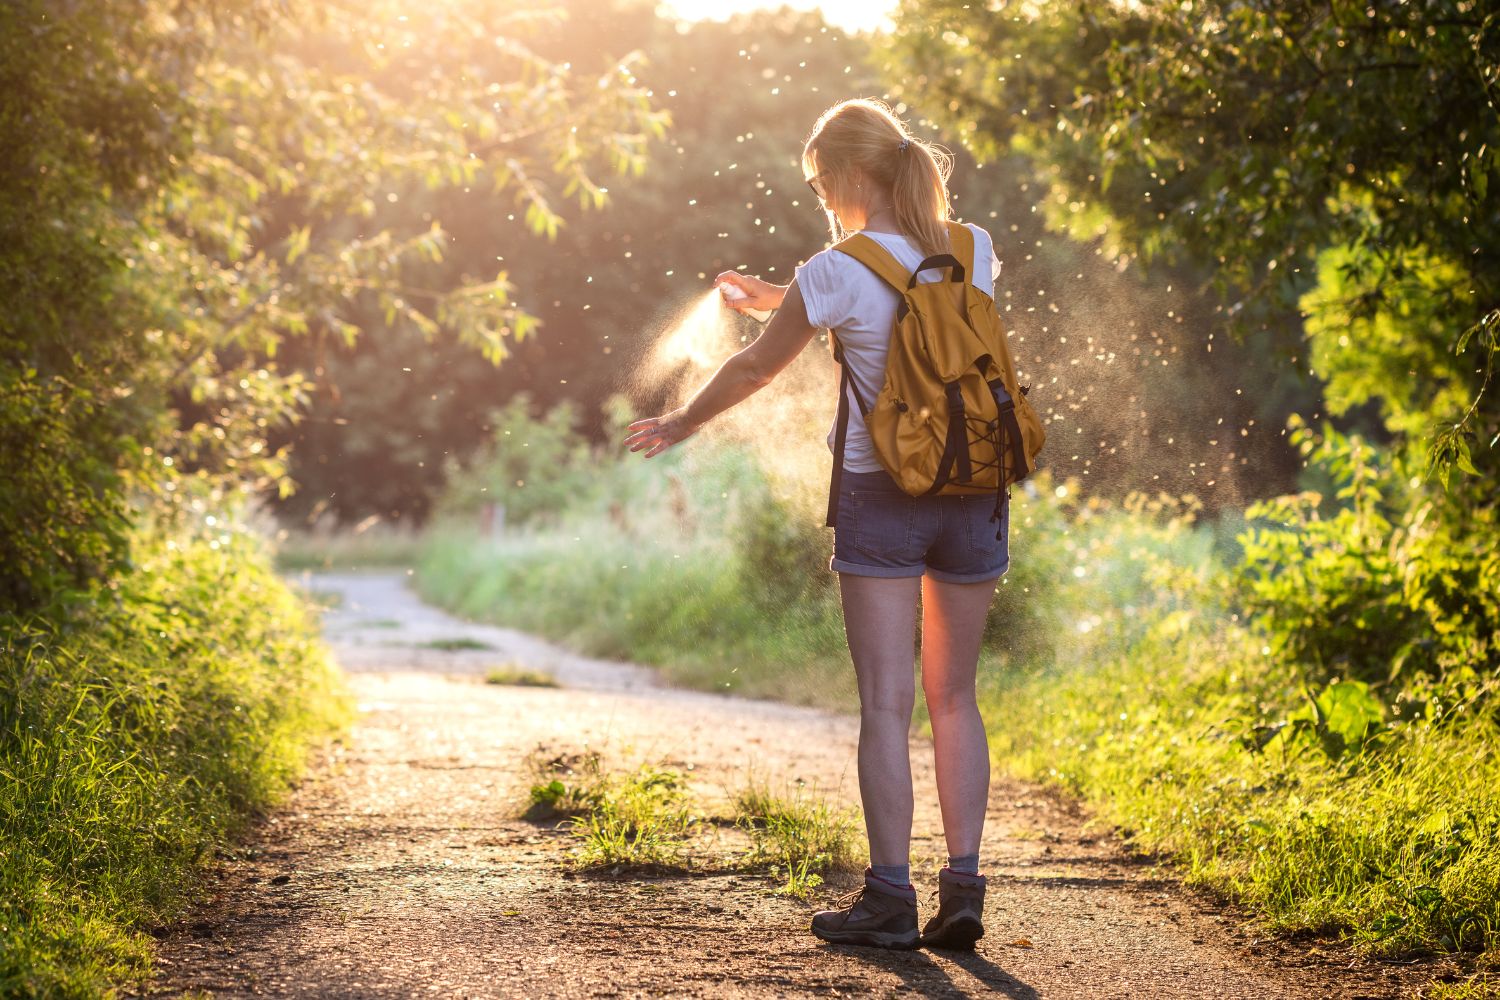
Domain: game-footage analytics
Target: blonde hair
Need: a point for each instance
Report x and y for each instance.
(865, 136)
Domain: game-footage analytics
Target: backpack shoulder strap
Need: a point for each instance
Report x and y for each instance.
(962, 238)
(877, 258)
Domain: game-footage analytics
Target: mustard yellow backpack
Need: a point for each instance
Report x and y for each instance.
(950, 417)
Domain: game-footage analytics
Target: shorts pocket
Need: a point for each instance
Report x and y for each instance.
(981, 530)
(882, 523)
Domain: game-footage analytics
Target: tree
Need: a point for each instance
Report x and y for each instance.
(165, 237)
(1129, 375)
(1332, 157)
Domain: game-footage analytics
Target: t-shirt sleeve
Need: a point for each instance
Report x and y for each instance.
(984, 244)
(830, 302)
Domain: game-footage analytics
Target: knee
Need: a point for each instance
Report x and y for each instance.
(892, 702)
(944, 699)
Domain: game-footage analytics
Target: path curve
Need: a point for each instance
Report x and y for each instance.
(399, 869)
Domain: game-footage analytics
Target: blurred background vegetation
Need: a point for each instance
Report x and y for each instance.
(392, 281)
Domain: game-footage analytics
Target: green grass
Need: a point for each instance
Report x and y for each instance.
(638, 819)
(796, 836)
(566, 784)
(138, 732)
(641, 819)
(645, 819)
(335, 548)
(461, 644)
(1482, 986)
(519, 676)
(1396, 845)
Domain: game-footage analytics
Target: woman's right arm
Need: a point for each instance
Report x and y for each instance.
(745, 373)
(759, 294)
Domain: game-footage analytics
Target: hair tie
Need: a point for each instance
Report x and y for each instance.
(904, 143)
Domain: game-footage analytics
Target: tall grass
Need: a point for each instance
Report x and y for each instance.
(328, 548)
(137, 733)
(1397, 844)
(1322, 806)
(692, 562)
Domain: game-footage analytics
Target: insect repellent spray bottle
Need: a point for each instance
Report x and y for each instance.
(733, 293)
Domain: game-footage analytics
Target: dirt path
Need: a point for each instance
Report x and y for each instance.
(401, 870)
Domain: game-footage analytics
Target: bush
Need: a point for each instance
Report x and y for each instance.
(535, 467)
(137, 733)
(696, 561)
(1314, 807)
(1376, 584)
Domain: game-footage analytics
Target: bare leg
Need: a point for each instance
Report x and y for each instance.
(880, 621)
(952, 629)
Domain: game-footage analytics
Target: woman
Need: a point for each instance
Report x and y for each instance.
(872, 176)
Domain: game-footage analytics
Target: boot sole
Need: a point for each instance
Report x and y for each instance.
(958, 934)
(896, 942)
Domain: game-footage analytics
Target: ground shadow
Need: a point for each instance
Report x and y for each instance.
(923, 971)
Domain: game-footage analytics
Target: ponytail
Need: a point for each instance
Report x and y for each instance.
(865, 136)
(919, 193)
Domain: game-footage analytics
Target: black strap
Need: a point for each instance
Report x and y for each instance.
(1000, 488)
(841, 428)
(958, 431)
(956, 446)
(937, 261)
(1010, 434)
(929, 264)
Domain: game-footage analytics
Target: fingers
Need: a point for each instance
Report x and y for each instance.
(643, 439)
(654, 435)
(647, 435)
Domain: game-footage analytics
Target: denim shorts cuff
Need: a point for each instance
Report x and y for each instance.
(942, 577)
(860, 569)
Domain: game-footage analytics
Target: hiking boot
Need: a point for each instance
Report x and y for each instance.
(879, 915)
(959, 921)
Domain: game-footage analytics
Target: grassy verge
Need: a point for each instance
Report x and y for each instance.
(365, 546)
(645, 820)
(136, 735)
(1397, 845)
(692, 565)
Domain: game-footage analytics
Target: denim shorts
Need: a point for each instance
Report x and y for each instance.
(883, 531)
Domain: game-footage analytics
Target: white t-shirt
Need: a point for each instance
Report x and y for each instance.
(845, 296)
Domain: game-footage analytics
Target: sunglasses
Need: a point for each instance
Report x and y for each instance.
(817, 188)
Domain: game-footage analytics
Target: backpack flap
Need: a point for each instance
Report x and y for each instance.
(949, 417)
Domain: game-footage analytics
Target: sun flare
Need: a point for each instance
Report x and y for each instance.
(850, 15)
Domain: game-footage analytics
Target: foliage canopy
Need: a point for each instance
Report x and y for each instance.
(184, 186)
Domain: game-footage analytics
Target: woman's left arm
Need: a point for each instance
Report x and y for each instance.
(737, 379)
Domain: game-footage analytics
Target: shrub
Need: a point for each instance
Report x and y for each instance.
(137, 732)
(1376, 584)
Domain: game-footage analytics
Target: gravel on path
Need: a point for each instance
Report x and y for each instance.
(401, 868)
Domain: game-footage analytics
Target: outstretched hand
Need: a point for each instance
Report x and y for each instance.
(655, 435)
(759, 294)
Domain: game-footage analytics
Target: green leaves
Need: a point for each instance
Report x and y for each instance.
(1382, 587)
(1341, 721)
(214, 191)
(1450, 443)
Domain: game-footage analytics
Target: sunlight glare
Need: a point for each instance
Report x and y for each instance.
(850, 15)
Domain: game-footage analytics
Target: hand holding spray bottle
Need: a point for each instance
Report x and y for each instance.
(733, 293)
